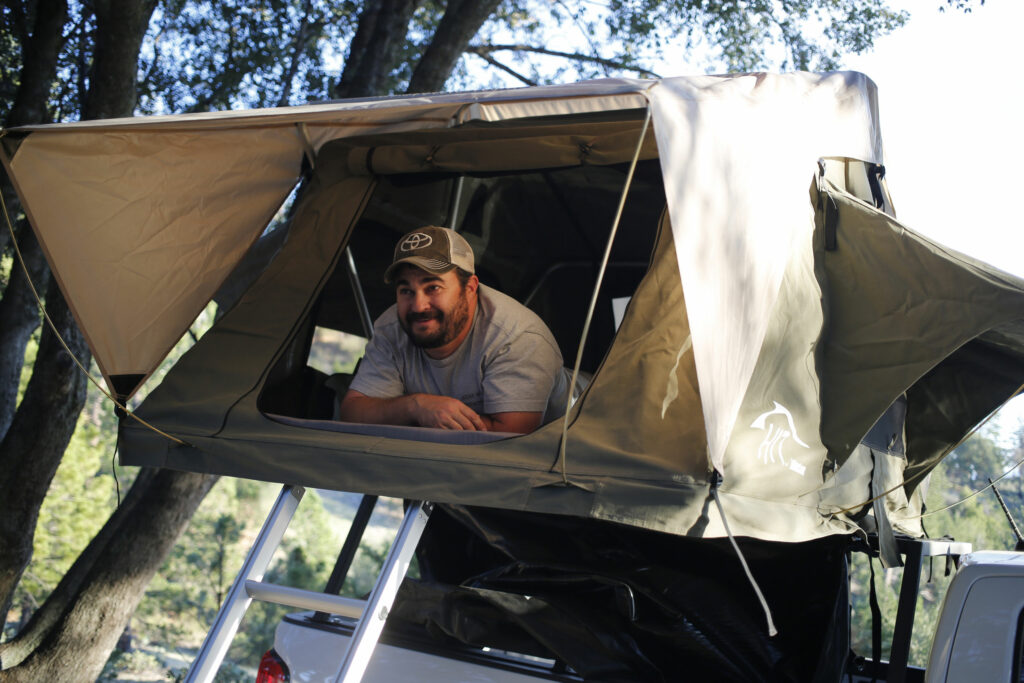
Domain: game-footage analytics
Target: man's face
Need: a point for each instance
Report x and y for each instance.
(434, 310)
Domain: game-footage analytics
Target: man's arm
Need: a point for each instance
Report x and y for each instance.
(423, 410)
(429, 410)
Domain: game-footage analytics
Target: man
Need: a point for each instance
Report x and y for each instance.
(452, 353)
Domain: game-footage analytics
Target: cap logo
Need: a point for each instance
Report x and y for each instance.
(415, 241)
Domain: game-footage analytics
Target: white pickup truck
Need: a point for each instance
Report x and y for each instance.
(979, 635)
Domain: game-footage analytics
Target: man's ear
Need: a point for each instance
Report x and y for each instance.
(472, 284)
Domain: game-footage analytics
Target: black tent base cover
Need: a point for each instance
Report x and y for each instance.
(615, 603)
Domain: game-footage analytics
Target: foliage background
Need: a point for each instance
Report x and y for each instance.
(959, 507)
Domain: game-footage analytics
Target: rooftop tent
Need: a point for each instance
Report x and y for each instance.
(782, 327)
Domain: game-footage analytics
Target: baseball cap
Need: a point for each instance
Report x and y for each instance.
(434, 249)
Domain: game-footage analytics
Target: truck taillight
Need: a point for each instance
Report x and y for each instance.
(272, 669)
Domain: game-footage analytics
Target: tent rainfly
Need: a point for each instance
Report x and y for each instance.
(781, 329)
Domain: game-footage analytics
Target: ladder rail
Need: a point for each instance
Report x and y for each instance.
(219, 638)
(378, 605)
(370, 614)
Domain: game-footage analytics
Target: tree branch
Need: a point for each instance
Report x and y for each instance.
(482, 50)
(507, 69)
(35, 442)
(461, 21)
(373, 51)
(584, 31)
(154, 65)
(17, 649)
(306, 31)
(39, 64)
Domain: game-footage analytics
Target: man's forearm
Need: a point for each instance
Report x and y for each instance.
(361, 408)
(424, 410)
(520, 423)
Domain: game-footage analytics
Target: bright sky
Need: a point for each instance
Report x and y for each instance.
(951, 125)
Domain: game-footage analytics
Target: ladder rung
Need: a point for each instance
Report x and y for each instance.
(304, 599)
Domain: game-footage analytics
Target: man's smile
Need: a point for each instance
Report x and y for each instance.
(423, 318)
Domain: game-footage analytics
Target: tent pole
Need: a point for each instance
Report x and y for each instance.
(453, 208)
(597, 288)
(357, 290)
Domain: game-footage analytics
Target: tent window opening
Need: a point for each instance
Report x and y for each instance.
(538, 236)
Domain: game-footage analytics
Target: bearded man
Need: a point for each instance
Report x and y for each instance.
(453, 353)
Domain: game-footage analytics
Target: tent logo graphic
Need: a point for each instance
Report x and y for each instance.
(770, 450)
(415, 241)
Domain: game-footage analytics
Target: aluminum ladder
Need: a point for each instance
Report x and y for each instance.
(370, 613)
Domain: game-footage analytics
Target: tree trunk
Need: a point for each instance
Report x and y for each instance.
(19, 317)
(79, 643)
(461, 21)
(16, 650)
(373, 53)
(72, 634)
(120, 28)
(19, 313)
(35, 442)
(41, 428)
(39, 64)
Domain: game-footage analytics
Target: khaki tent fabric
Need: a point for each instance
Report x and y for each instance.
(907, 315)
(145, 217)
(608, 468)
(167, 172)
(730, 164)
(637, 447)
(140, 253)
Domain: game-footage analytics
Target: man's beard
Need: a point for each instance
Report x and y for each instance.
(450, 324)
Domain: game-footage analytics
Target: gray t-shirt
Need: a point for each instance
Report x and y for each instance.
(509, 362)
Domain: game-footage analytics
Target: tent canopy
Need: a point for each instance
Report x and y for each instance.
(777, 311)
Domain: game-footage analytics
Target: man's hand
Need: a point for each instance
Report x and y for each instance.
(445, 412)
